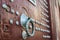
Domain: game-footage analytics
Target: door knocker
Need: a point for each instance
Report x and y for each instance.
(25, 24)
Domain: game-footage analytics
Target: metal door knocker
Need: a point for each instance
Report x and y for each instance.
(27, 27)
(25, 24)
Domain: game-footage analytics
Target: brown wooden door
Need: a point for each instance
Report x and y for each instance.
(13, 31)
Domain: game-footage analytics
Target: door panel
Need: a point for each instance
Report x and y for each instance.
(14, 31)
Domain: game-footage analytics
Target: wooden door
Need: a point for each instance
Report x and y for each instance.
(39, 12)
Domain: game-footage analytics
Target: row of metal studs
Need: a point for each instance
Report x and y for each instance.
(11, 22)
(40, 29)
(17, 13)
(40, 23)
(45, 1)
(44, 9)
(44, 14)
(42, 3)
(45, 20)
(46, 36)
(43, 30)
(5, 6)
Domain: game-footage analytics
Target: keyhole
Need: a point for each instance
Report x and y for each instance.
(5, 28)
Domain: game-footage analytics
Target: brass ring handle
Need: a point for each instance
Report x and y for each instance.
(27, 28)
